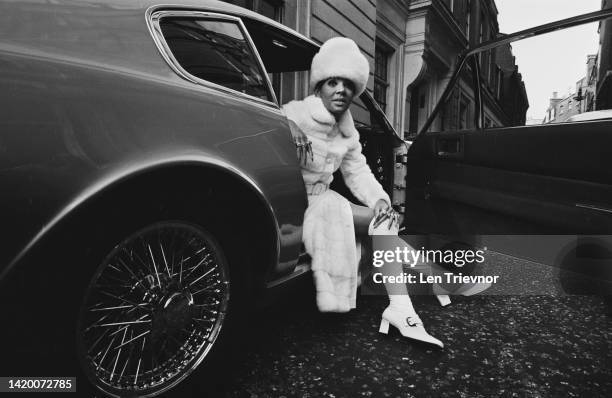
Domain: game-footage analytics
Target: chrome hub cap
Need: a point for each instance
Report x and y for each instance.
(153, 310)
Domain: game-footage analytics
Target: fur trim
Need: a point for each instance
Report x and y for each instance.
(329, 238)
(311, 115)
(340, 57)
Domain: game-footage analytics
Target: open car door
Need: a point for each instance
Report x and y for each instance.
(479, 167)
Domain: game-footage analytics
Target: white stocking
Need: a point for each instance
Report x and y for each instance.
(398, 293)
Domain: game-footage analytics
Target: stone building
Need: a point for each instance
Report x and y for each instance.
(594, 90)
(581, 100)
(604, 63)
(560, 109)
(510, 89)
(504, 96)
(587, 86)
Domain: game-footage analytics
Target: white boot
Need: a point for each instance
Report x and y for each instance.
(384, 230)
(408, 324)
(400, 312)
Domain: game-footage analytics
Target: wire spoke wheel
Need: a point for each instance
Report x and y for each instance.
(153, 309)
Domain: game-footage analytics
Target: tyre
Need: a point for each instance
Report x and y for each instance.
(153, 310)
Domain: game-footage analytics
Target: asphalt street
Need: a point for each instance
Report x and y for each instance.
(510, 346)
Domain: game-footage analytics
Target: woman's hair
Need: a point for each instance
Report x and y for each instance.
(320, 83)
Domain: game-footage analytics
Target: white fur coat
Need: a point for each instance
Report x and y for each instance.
(328, 233)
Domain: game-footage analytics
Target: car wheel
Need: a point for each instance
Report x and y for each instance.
(153, 310)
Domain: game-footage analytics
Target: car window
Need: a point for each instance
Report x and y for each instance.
(458, 111)
(217, 51)
(283, 55)
(289, 56)
(527, 91)
(517, 88)
(572, 87)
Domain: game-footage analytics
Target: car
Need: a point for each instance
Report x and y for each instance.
(152, 196)
(151, 192)
(593, 115)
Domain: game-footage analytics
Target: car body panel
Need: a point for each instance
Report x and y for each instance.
(96, 127)
(594, 115)
(89, 87)
(536, 179)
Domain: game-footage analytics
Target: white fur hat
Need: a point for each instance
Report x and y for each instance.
(340, 57)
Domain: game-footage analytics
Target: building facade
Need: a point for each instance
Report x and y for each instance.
(604, 62)
(504, 96)
(560, 109)
(594, 90)
(586, 88)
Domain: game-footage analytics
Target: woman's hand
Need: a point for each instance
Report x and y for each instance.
(380, 206)
(382, 212)
(302, 143)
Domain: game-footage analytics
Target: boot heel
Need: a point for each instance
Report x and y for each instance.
(443, 299)
(384, 326)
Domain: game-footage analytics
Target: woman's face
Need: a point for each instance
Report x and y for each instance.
(337, 94)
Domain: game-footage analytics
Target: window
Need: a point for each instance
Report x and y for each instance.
(217, 51)
(484, 66)
(485, 55)
(381, 71)
(242, 3)
(468, 12)
(492, 60)
(417, 115)
(499, 77)
(450, 4)
(272, 9)
(464, 111)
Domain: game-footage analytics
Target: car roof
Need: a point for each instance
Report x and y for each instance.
(142, 4)
(220, 6)
(153, 5)
(68, 30)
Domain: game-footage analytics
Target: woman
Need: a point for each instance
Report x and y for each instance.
(327, 140)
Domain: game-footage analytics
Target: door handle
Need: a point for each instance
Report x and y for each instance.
(450, 147)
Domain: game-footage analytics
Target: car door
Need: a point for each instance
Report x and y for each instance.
(480, 168)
